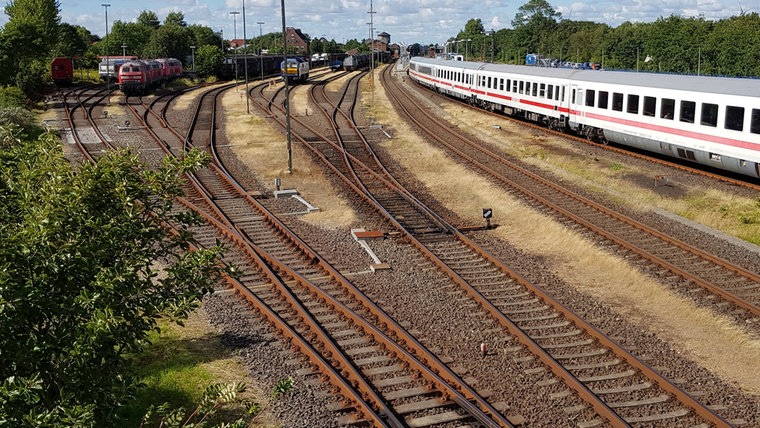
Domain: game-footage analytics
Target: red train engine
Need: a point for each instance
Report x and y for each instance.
(135, 77)
(62, 71)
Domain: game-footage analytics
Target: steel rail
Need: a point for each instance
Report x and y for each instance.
(581, 389)
(685, 398)
(433, 376)
(713, 288)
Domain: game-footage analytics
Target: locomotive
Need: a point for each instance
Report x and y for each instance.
(62, 71)
(713, 121)
(138, 76)
(356, 62)
(295, 70)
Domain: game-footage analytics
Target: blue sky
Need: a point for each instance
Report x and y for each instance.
(407, 21)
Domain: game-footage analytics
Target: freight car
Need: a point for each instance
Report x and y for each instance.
(269, 64)
(62, 71)
(713, 121)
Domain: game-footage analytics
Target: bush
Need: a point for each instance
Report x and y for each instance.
(11, 96)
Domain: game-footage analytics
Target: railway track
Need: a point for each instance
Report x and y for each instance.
(699, 269)
(273, 276)
(325, 309)
(636, 392)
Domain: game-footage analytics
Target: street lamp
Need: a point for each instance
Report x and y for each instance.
(466, 47)
(371, 51)
(123, 50)
(108, 63)
(492, 33)
(81, 72)
(245, 57)
(192, 48)
(287, 89)
(261, 58)
(234, 35)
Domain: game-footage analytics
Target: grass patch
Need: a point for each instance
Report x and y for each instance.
(178, 366)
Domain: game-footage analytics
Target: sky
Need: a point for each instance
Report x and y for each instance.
(407, 21)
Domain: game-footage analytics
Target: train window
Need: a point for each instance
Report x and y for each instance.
(617, 101)
(572, 96)
(604, 99)
(650, 105)
(633, 104)
(508, 86)
(754, 121)
(550, 91)
(522, 87)
(514, 86)
(668, 108)
(489, 82)
(734, 118)
(542, 90)
(590, 94)
(535, 89)
(562, 97)
(709, 115)
(501, 84)
(687, 111)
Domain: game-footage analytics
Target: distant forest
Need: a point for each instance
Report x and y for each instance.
(728, 47)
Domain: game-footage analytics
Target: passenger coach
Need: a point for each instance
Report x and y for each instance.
(713, 121)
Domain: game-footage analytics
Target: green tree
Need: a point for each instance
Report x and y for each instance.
(207, 60)
(73, 40)
(132, 34)
(733, 47)
(175, 18)
(169, 41)
(26, 43)
(535, 12)
(473, 27)
(80, 287)
(148, 18)
(533, 21)
(202, 35)
(40, 17)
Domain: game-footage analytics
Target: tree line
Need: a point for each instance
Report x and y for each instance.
(673, 44)
(34, 35)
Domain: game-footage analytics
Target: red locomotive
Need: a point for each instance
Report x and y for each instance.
(138, 76)
(62, 71)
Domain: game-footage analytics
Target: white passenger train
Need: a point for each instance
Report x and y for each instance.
(713, 121)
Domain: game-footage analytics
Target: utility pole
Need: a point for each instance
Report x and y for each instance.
(108, 63)
(371, 52)
(234, 14)
(245, 58)
(261, 49)
(287, 87)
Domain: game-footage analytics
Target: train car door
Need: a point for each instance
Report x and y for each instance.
(574, 103)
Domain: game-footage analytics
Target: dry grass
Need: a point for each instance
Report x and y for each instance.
(188, 99)
(263, 149)
(589, 269)
(737, 216)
